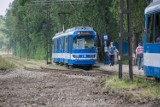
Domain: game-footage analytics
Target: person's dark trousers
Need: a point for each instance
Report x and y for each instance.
(107, 59)
(140, 61)
(112, 60)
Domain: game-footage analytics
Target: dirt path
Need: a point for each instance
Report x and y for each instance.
(23, 88)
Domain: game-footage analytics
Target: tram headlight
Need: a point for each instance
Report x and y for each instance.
(78, 33)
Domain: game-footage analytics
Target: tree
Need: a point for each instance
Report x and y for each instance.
(28, 23)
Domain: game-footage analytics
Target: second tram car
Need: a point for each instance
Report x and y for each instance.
(75, 46)
(152, 40)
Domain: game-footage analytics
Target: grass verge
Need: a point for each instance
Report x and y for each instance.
(5, 64)
(137, 90)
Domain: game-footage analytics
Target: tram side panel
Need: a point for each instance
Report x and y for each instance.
(83, 54)
(152, 60)
(152, 40)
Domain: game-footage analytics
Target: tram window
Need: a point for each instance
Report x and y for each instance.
(150, 29)
(66, 43)
(53, 48)
(62, 43)
(78, 43)
(75, 45)
(60, 46)
(75, 40)
(157, 29)
(57, 44)
(83, 43)
(153, 28)
(89, 42)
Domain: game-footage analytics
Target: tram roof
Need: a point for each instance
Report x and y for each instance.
(153, 7)
(70, 31)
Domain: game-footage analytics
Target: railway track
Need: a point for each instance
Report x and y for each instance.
(75, 71)
(81, 72)
(95, 72)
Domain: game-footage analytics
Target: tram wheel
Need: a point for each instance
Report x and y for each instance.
(88, 67)
(70, 67)
(57, 63)
(61, 64)
(157, 79)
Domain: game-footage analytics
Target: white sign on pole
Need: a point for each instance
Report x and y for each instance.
(105, 37)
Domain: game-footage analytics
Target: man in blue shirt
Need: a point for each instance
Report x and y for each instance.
(112, 50)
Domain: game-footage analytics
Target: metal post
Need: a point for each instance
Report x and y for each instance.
(64, 18)
(27, 42)
(15, 51)
(63, 27)
(129, 39)
(48, 45)
(20, 46)
(127, 35)
(120, 40)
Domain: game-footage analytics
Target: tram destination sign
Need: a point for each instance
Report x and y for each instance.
(84, 33)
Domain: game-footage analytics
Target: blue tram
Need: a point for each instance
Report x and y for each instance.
(152, 40)
(75, 46)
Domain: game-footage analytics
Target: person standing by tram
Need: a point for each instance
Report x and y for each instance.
(158, 39)
(112, 50)
(139, 56)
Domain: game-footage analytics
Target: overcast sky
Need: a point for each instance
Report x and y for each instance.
(4, 4)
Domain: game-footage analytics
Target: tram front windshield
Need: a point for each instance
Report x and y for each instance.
(83, 43)
(153, 28)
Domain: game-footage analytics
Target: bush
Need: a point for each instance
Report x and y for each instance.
(5, 65)
(138, 86)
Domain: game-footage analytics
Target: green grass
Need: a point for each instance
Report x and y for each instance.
(137, 89)
(125, 62)
(5, 64)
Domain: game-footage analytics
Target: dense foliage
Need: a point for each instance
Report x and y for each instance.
(3, 40)
(28, 25)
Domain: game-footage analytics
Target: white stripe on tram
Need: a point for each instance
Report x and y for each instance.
(70, 56)
(152, 59)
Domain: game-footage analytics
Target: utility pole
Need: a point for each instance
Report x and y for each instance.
(15, 47)
(20, 47)
(27, 30)
(48, 44)
(62, 15)
(47, 28)
(125, 10)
